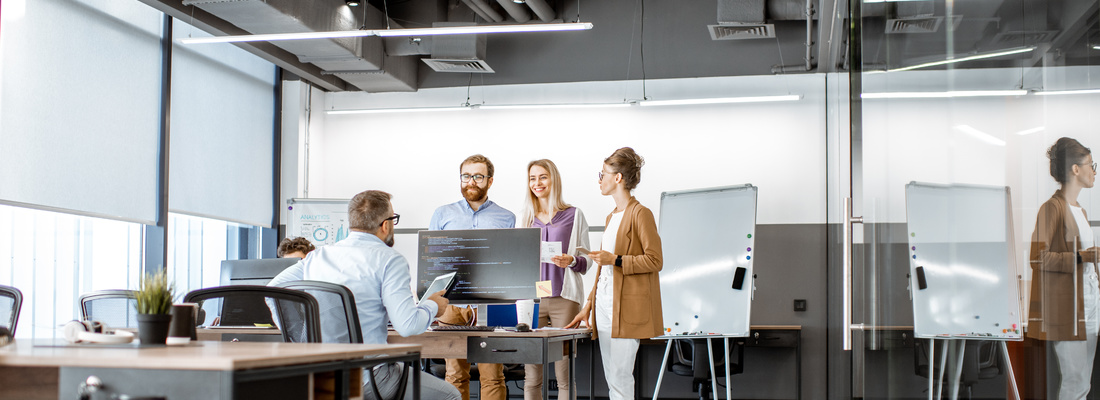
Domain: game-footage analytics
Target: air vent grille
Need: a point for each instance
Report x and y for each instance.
(914, 25)
(465, 66)
(739, 32)
(1024, 37)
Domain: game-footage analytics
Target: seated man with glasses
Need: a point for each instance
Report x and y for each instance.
(379, 278)
(474, 211)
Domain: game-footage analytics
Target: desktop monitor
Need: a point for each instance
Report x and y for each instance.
(248, 310)
(253, 272)
(492, 265)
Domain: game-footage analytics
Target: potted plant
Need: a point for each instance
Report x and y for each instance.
(154, 305)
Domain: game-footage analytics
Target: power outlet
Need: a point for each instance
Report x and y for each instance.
(800, 305)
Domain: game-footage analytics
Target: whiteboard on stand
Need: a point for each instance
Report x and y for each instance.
(707, 279)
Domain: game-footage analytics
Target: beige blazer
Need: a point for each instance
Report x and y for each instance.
(1054, 310)
(636, 313)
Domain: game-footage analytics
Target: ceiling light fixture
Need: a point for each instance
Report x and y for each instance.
(352, 3)
(443, 30)
(940, 95)
(551, 106)
(397, 110)
(1065, 92)
(721, 100)
(969, 58)
(1096, 47)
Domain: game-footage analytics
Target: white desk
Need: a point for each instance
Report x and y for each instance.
(208, 370)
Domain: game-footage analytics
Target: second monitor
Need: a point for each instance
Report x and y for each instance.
(492, 265)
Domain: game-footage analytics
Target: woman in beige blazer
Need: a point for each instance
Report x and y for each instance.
(625, 304)
(1065, 293)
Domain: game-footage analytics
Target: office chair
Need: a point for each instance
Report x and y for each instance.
(981, 360)
(339, 317)
(117, 308)
(340, 321)
(690, 359)
(11, 300)
(297, 311)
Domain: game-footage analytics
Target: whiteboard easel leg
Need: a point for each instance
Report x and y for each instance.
(1011, 375)
(960, 353)
(714, 383)
(660, 375)
(931, 362)
(729, 387)
(943, 366)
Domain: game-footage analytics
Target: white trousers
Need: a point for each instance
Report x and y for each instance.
(618, 354)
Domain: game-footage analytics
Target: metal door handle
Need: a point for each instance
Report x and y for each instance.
(846, 265)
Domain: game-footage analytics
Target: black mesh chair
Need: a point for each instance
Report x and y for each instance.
(690, 359)
(340, 321)
(981, 360)
(294, 312)
(11, 300)
(339, 317)
(115, 308)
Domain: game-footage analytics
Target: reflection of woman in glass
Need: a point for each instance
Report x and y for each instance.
(626, 300)
(566, 225)
(1064, 288)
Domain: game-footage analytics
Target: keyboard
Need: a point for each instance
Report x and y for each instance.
(462, 328)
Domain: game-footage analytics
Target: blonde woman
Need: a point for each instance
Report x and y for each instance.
(625, 304)
(564, 224)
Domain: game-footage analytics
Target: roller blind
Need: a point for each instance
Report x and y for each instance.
(80, 107)
(222, 136)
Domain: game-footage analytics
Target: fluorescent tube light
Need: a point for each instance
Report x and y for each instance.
(396, 110)
(1032, 130)
(939, 95)
(1096, 47)
(721, 100)
(970, 58)
(443, 30)
(1065, 92)
(985, 137)
(550, 106)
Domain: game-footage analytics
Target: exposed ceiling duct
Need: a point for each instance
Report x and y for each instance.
(458, 53)
(520, 12)
(357, 58)
(741, 19)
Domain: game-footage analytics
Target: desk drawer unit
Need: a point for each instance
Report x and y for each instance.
(772, 338)
(512, 350)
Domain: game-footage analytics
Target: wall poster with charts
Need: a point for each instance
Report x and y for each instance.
(322, 221)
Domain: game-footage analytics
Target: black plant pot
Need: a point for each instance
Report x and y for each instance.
(153, 328)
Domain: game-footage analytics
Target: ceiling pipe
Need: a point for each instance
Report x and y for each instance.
(518, 11)
(809, 66)
(483, 10)
(543, 10)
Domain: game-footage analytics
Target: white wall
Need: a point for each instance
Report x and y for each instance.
(779, 147)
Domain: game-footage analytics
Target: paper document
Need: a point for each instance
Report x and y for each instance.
(549, 250)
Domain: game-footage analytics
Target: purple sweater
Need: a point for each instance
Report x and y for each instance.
(558, 230)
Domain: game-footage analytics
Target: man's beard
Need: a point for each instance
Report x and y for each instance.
(474, 193)
(389, 240)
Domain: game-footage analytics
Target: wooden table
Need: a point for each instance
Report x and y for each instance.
(502, 347)
(204, 370)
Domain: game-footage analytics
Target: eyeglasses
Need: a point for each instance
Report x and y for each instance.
(1093, 166)
(608, 173)
(396, 218)
(477, 178)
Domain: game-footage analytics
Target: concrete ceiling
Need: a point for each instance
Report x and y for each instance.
(658, 39)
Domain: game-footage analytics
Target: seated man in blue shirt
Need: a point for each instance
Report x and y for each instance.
(474, 211)
(379, 278)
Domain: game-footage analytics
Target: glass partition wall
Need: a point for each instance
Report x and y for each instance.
(962, 93)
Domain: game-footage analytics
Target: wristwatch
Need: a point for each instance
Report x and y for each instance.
(618, 261)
